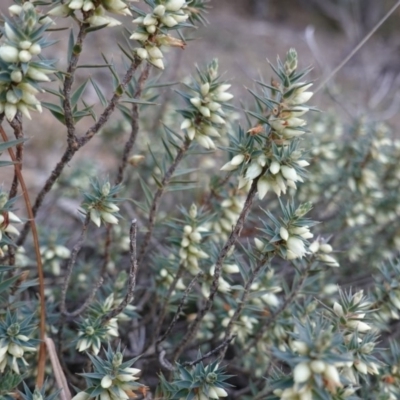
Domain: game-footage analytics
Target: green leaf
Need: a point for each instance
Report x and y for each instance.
(11, 143)
(138, 101)
(147, 192)
(126, 52)
(99, 93)
(78, 93)
(112, 69)
(95, 28)
(71, 44)
(4, 285)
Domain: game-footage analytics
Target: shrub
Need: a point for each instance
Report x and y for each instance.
(168, 283)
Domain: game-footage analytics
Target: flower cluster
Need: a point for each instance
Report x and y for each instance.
(274, 159)
(315, 355)
(191, 252)
(289, 237)
(22, 70)
(322, 250)
(200, 383)
(152, 28)
(94, 12)
(204, 115)
(15, 340)
(111, 379)
(229, 210)
(100, 204)
(53, 254)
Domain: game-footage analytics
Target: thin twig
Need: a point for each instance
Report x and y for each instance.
(132, 276)
(180, 307)
(157, 197)
(87, 302)
(68, 82)
(243, 300)
(16, 124)
(71, 262)
(134, 125)
(193, 328)
(222, 346)
(163, 312)
(105, 115)
(42, 324)
(358, 47)
(164, 362)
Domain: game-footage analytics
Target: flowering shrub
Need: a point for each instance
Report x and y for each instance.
(159, 287)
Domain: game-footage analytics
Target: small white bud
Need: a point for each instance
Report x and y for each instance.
(24, 56)
(338, 309)
(283, 232)
(275, 167)
(289, 173)
(205, 88)
(301, 373)
(174, 5)
(9, 54)
(159, 10)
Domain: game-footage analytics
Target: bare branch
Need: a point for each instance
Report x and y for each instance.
(132, 276)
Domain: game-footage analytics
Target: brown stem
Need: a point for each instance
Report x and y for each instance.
(16, 124)
(243, 300)
(42, 324)
(163, 312)
(134, 125)
(68, 82)
(157, 197)
(193, 328)
(132, 276)
(178, 311)
(71, 262)
(105, 115)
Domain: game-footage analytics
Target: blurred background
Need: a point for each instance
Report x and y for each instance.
(242, 34)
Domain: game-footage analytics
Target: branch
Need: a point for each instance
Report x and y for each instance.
(68, 82)
(243, 300)
(178, 311)
(132, 276)
(134, 126)
(42, 324)
(157, 197)
(222, 346)
(193, 328)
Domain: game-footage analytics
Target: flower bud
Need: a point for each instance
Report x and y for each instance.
(25, 56)
(174, 5)
(9, 54)
(283, 232)
(289, 173)
(154, 52)
(169, 21)
(263, 186)
(106, 382)
(274, 167)
(142, 53)
(159, 10)
(35, 49)
(301, 373)
(15, 10)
